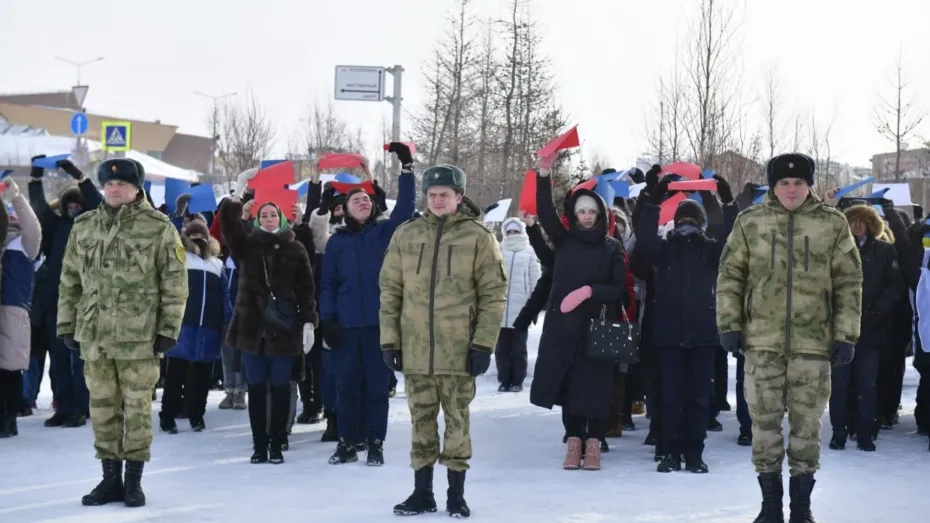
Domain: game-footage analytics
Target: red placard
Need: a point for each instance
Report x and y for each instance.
(685, 169)
(344, 188)
(707, 184)
(283, 198)
(341, 161)
(566, 141)
(667, 209)
(276, 177)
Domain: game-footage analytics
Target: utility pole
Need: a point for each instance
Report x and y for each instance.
(78, 65)
(396, 100)
(214, 137)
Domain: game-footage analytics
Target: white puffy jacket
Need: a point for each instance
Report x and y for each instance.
(522, 268)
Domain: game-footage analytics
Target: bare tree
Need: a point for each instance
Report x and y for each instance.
(820, 148)
(245, 138)
(772, 110)
(666, 132)
(897, 116)
(797, 135)
(326, 132)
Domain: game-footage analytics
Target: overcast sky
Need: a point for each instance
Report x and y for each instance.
(607, 55)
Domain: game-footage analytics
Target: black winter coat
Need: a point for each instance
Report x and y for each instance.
(290, 276)
(882, 286)
(56, 228)
(564, 374)
(684, 298)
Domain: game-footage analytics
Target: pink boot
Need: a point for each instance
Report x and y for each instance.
(592, 454)
(573, 455)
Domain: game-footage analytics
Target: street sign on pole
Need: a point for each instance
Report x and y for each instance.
(78, 124)
(80, 93)
(359, 83)
(116, 136)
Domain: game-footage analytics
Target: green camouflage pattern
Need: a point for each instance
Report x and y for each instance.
(443, 291)
(121, 406)
(425, 394)
(123, 281)
(798, 301)
(802, 380)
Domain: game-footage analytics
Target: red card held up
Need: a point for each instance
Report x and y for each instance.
(276, 176)
(283, 198)
(707, 184)
(667, 209)
(340, 161)
(344, 188)
(566, 141)
(411, 145)
(683, 169)
(528, 194)
(587, 185)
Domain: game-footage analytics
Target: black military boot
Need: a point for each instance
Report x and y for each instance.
(110, 489)
(132, 489)
(8, 427)
(280, 407)
(838, 441)
(422, 499)
(772, 493)
(455, 496)
(375, 453)
(345, 453)
(670, 463)
(332, 428)
(800, 488)
(258, 420)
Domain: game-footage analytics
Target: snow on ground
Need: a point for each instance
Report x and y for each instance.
(516, 475)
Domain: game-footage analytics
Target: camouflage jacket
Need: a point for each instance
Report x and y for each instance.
(443, 291)
(123, 282)
(790, 281)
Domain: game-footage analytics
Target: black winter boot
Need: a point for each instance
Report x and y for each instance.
(455, 496)
(345, 453)
(132, 489)
(800, 488)
(280, 409)
(670, 463)
(375, 453)
(110, 489)
(422, 499)
(838, 441)
(772, 493)
(332, 428)
(258, 419)
(8, 427)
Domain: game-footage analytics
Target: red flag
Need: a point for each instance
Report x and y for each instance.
(528, 194)
(667, 209)
(344, 188)
(685, 169)
(566, 141)
(588, 185)
(340, 161)
(283, 198)
(277, 176)
(707, 184)
(413, 148)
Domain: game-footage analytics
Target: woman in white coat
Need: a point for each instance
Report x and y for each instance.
(523, 271)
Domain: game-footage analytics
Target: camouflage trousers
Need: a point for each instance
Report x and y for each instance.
(425, 394)
(803, 381)
(121, 406)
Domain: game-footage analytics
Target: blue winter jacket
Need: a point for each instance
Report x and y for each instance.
(208, 308)
(16, 284)
(350, 292)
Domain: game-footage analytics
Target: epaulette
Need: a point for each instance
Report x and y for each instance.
(86, 215)
(752, 208)
(480, 224)
(406, 222)
(833, 210)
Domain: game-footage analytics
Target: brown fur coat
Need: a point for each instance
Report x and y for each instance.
(291, 277)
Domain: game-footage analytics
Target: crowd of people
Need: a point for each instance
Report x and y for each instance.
(819, 301)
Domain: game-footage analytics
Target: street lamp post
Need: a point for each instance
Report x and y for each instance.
(78, 65)
(213, 137)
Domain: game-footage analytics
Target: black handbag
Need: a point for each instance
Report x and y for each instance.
(280, 314)
(617, 342)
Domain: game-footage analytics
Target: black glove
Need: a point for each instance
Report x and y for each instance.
(491, 207)
(661, 189)
(163, 344)
(326, 199)
(917, 232)
(393, 360)
(403, 153)
(652, 177)
(70, 168)
(479, 359)
(380, 197)
(637, 176)
(841, 353)
(732, 342)
(36, 172)
(522, 323)
(331, 334)
(724, 190)
(70, 342)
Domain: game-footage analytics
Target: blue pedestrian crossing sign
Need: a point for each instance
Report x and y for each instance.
(79, 124)
(116, 136)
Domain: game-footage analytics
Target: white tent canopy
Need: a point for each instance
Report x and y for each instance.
(16, 151)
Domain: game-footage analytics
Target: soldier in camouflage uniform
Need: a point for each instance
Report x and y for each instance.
(121, 301)
(789, 295)
(443, 293)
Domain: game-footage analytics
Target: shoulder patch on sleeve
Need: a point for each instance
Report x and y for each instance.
(180, 253)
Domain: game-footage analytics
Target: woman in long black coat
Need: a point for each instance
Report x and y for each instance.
(588, 274)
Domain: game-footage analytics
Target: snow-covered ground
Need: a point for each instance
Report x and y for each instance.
(516, 475)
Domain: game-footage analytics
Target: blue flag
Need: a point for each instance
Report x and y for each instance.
(49, 161)
(173, 189)
(605, 191)
(621, 188)
(881, 212)
(202, 199)
(850, 188)
(708, 173)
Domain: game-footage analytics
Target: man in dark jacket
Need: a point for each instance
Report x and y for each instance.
(882, 286)
(685, 331)
(349, 308)
(66, 369)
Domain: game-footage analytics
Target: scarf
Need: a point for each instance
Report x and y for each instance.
(515, 242)
(687, 229)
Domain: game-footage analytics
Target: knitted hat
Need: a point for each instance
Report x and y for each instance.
(792, 165)
(690, 210)
(585, 202)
